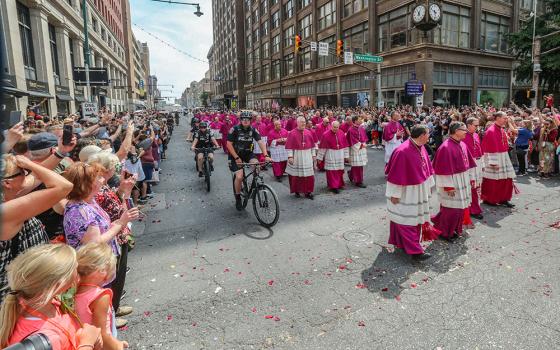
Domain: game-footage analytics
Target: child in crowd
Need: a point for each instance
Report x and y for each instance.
(96, 267)
(36, 278)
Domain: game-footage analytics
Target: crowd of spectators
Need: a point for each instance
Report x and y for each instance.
(71, 189)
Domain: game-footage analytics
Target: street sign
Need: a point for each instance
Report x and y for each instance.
(414, 88)
(348, 57)
(370, 77)
(89, 108)
(141, 84)
(97, 76)
(360, 57)
(380, 104)
(313, 46)
(420, 100)
(323, 49)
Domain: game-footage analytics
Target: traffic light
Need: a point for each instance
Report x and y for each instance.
(531, 93)
(339, 48)
(297, 44)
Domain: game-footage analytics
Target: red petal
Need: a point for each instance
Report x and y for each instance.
(269, 317)
(413, 285)
(254, 309)
(194, 324)
(276, 318)
(147, 313)
(361, 324)
(125, 328)
(384, 289)
(306, 282)
(226, 270)
(398, 298)
(271, 282)
(169, 317)
(360, 286)
(342, 267)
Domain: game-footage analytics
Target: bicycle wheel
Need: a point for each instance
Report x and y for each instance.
(265, 205)
(207, 175)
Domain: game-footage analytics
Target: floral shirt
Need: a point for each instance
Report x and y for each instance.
(78, 217)
(111, 203)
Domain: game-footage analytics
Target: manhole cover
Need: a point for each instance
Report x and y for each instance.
(356, 236)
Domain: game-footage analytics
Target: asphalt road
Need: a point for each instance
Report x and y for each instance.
(205, 276)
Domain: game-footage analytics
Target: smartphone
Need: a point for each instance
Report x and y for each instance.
(129, 203)
(15, 117)
(67, 133)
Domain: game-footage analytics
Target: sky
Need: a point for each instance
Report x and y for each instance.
(178, 26)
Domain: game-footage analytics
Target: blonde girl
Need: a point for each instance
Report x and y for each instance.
(96, 267)
(35, 278)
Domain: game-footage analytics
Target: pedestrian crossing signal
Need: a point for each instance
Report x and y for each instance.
(339, 48)
(297, 44)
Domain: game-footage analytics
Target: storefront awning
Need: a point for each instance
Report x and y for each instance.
(39, 94)
(80, 99)
(64, 97)
(14, 91)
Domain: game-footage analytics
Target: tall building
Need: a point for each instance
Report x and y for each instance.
(137, 78)
(228, 52)
(464, 60)
(43, 43)
(145, 55)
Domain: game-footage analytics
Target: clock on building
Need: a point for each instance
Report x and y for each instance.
(435, 12)
(418, 14)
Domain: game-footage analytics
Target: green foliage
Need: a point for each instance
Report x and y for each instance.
(522, 44)
(204, 99)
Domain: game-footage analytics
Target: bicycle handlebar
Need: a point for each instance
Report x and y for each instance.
(246, 165)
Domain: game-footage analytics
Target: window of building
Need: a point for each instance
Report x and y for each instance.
(353, 6)
(494, 78)
(258, 75)
(275, 19)
(304, 58)
(249, 77)
(71, 49)
(356, 38)
(354, 82)
(305, 26)
(306, 89)
(273, 2)
(289, 64)
(264, 29)
(326, 86)
(396, 76)
(289, 9)
(256, 16)
(276, 44)
(329, 60)
(265, 50)
(54, 54)
(248, 41)
(256, 36)
(393, 29)
(455, 27)
(266, 72)
(493, 33)
(94, 24)
(448, 74)
(275, 71)
(264, 7)
(303, 3)
(327, 15)
(24, 22)
(289, 36)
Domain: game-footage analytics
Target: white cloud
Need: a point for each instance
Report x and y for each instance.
(178, 26)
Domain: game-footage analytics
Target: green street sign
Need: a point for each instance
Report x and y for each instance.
(358, 57)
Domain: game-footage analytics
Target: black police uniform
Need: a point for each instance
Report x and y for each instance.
(242, 140)
(204, 139)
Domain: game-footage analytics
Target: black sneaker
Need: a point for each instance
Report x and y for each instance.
(200, 174)
(238, 202)
(309, 195)
(421, 256)
(508, 204)
(297, 195)
(335, 191)
(477, 216)
(361, 185)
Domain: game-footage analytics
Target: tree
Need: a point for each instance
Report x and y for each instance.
(204, 99)
(522, 45)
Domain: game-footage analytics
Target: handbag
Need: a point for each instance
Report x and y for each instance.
(155, 176)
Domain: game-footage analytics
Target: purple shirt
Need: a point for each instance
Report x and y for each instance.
(78, 217)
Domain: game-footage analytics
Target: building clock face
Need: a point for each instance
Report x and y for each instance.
(418, 13)
(435, 12)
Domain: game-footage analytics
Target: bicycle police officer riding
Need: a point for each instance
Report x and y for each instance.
(203, 139)
(240, 150)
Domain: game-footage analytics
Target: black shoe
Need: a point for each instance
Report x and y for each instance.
(477, 216)
(309, 195)
(200, 174)
(335, 191)
(490, 204)
(211, 167)
(361, 185)
(298, 195)
(279, 178)
(449, 239)
(238, 202)
(421, 256)
(508, 204)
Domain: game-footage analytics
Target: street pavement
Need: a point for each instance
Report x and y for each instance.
(205, 276)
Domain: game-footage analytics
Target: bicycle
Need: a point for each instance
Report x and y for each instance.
(206, 167)
(265, 201)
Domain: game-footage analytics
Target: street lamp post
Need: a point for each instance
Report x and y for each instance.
(198, 13)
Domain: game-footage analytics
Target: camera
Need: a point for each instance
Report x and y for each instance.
(37, 341)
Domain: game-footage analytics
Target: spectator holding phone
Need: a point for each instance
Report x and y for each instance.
(20, 229)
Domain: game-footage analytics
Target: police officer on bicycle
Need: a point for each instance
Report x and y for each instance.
(203, 138)
(240, 150)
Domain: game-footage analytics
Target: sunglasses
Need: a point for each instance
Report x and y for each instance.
(21, 171)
